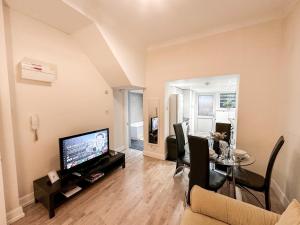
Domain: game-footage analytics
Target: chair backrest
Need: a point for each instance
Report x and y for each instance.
(199, 159)
(272, 159)
(181, 145)
(224, 127)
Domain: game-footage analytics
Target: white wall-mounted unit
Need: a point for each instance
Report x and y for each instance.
(38, 71)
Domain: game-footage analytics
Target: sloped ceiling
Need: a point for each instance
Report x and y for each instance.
(120, 64)
(94, 45)
(54, 13)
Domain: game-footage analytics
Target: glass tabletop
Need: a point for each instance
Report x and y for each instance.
(248, 160)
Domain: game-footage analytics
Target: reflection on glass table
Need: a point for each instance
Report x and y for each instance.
(231, 162)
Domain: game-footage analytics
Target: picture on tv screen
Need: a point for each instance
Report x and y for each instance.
(79, 149)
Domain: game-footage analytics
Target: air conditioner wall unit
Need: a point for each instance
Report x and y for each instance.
(38, 71)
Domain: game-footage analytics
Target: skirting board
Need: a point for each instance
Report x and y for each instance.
(279, 193)
(27, 200)
(155, 155)
(14, 215)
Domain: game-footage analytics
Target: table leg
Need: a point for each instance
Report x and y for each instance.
(51, 213)
(233, 182)
(228, 181)
(51, 207)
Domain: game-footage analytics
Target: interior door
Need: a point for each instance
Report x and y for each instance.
(205, 111)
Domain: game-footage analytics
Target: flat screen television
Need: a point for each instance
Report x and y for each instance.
(79, 150)
(154, 124)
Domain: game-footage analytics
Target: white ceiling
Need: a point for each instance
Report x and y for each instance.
(208, 84)
(151, 23)
(52, 12)
(154, 22)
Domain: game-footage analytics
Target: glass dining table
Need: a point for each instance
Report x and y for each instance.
(231, 163)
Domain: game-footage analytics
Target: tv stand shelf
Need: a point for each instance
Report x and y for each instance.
(50, 195)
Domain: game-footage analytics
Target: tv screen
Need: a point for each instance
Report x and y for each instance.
(154, 124)
(78, 149)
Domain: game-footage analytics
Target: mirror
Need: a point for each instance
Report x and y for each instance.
(153, 118)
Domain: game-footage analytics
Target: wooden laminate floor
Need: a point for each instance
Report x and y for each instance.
(144, 193)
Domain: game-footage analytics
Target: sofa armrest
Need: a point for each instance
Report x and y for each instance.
(229, 210)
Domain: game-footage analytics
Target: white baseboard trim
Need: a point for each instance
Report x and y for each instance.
(279, 193)
(27, 200)
(120, 149)
(14, 215)
(155, 155)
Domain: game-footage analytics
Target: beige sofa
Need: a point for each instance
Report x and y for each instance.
(209, 208)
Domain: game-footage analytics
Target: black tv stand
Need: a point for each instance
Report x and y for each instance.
(87, 170)
(50, 195)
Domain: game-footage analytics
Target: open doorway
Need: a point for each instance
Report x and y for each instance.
(135, 120)
(203, 103)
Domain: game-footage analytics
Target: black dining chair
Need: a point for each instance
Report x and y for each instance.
(183, 153)
(200, 172)
(248, 179)
(222, 128)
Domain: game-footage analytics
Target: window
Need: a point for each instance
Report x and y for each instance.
(205, 105)
(227, 100)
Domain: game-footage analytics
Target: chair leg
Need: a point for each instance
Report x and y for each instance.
(267, 200)
(179, 168)
(228, 187)
(186, 200)
(249, 192)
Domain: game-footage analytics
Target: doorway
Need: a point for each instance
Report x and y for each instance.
(206, 101)
(135, 120)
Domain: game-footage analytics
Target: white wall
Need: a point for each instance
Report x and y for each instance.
(187, 95)
(75, 103)
(170, 90)
(251, 52)
(287, 167)
(4, 73)
(120, 114)
(7, 145)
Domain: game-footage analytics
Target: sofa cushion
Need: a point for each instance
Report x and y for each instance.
(229, 210)
(291, 216)
(191, 218)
